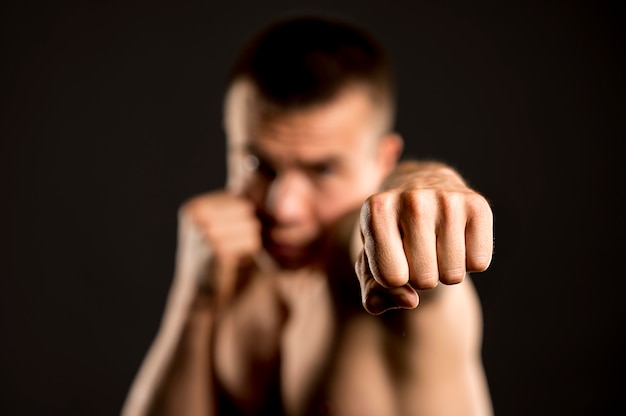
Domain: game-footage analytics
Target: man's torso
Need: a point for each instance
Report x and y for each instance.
(319, 355)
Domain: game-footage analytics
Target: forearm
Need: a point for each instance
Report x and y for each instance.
(443, 346)
(187, 384)
(176, 375)
(184, 337)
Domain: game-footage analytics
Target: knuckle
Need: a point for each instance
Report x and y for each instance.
(379, 204)
(453, 276)
(393, 278)
(451, 209)
(478, 263)
(429, 283)
(374, 210)
(255, 226)
(387, 272)
(477, 206)
(426, 280)
(196, 208)
(255, 242)
(414, 202)
(450, 202)
(220, 250)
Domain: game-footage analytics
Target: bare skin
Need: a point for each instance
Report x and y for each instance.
(288, 282)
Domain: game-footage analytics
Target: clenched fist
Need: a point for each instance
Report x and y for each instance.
(422, 229)
(229, 231)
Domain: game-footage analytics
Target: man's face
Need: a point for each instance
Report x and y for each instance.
(305, 169)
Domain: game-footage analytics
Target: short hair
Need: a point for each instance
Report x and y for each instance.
(298, 62)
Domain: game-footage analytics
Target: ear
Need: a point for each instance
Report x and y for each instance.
(389, 151)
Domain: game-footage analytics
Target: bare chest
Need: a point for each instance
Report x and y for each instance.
(307, 342)
(326, 364)
(331, 365)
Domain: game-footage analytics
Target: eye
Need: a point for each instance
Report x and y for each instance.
(322, 169)
(253, 163)
(250, 163)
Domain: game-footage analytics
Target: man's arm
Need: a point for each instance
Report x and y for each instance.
(443, 348)
(215, 232)
(427, 226)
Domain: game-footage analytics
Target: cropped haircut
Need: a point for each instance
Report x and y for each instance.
(299, 62)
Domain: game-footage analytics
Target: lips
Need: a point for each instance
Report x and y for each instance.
(289, 246)
(285, 250)
(291, 255)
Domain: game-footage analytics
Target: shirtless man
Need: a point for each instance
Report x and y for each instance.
(297, 286)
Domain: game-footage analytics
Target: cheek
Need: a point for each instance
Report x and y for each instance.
(346, 195)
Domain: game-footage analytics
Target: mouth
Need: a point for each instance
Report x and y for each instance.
(290, 255)
(284, 250)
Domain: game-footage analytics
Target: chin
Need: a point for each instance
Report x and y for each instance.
(288, 262)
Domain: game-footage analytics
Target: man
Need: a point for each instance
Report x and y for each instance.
(266, 315)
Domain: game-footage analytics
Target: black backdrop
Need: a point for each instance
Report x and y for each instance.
(110, 118)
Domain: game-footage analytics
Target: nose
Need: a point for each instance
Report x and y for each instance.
(287, 199)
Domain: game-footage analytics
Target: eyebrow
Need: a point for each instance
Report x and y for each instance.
(306, 164)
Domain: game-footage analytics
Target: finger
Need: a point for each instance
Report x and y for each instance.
(220, 209)
(451, 240)
(479, 235)
(234, 238)
(418, 221)
(382, 241)
(236, 244)
(377, 299)
(241, 226)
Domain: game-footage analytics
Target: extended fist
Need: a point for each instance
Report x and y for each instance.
(415, 236)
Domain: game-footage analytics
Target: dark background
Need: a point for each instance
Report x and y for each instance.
(111, 118)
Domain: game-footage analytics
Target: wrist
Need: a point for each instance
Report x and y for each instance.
(428, 174)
